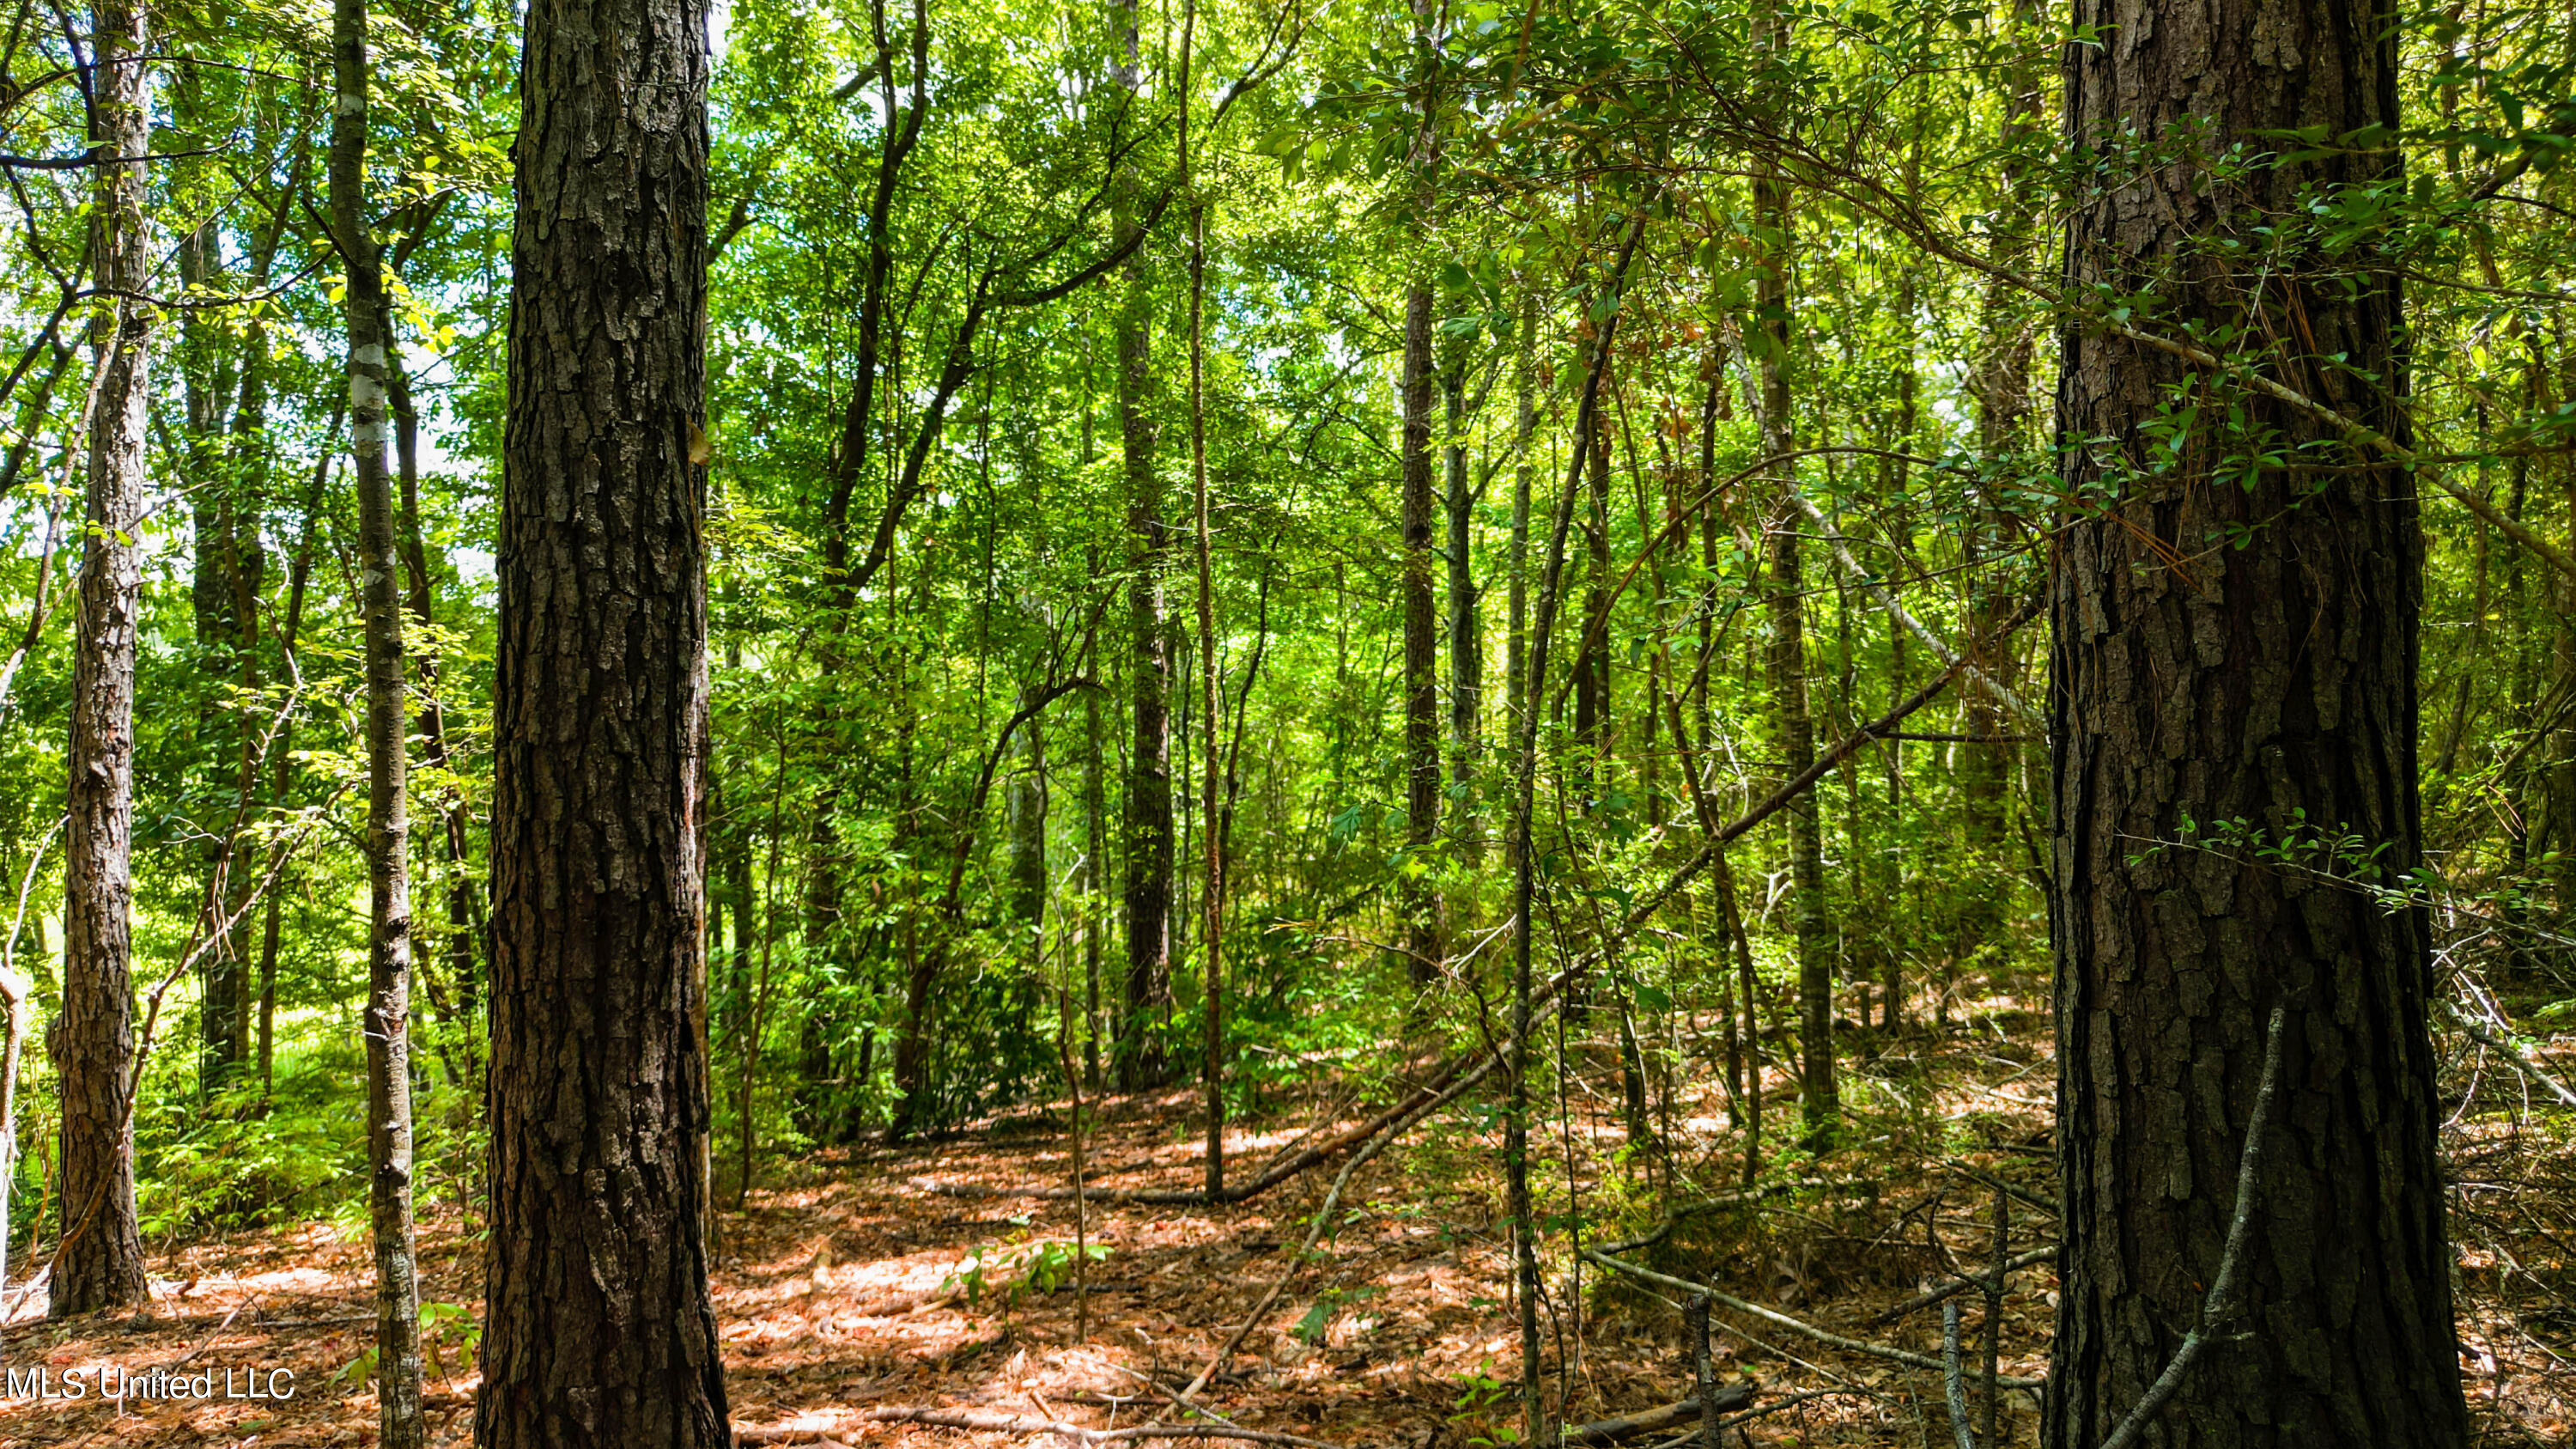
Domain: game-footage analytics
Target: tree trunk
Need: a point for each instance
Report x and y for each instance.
(99, 1263)
(1417, 893)
(1147, 847)
(1466, 633)
(1524, 469)
(598, 1330)
(1591, 683)
(1820, 1104)
(388, 1011)
(223, 733)
(2270, 685)
(1094, 877)
(2002, 387)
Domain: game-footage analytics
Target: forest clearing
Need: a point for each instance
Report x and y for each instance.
(1446, 725)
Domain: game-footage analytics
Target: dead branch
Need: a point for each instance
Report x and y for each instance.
(1945, 1291)
(1652, 1421)
(1778, 1319)
(987, 1422)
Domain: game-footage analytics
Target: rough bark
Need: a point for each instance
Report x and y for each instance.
(389, 928)
(1146, 847)
(2271, 684)
(598, 1330)
(1416, 893)
(99, 1263)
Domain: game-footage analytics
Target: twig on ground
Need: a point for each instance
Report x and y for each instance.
(1649, 1421)
(1781, 1320)
(2030, 1258)
(986, 1422)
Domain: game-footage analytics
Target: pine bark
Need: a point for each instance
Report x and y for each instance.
(99, 1263)
(1417, 894)
(598, 1330)
(2268, 678)
(389, 925)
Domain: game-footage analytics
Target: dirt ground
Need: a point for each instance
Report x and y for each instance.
(881, 1279)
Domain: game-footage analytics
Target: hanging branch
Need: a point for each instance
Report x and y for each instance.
(2003, 695)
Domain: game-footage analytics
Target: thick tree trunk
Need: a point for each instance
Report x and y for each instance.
(1417, 894)
(388, 1011)
(100, 1261)
(598, 1330)
(2241, 654)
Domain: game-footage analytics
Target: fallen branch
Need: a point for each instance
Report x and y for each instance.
(1651, 1421)
(2512, 1054)
(1315, 1228)
(986, 1421)
(901, 1305)
(1943, 1293)
(1778, 1319)
(1720, 1203)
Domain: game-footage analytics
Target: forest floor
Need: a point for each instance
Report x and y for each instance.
(843, 1287)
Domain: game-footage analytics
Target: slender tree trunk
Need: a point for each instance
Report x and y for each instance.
(2272, 684)
(1417, 892)
(1466, 631)
(99, 1263)
(1516, 693)
(1592, 693)
(1211, 715)
(1147, 846)
(598, 1332)
(2002, 387)
(1095, 877)
(1519, 1200)
(282, 759)
(388, 1011)
(464, 905)
(1795, 727)
(215, 520)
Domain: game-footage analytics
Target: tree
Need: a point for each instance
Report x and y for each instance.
(1146, 846)
(598, 1329)
(1820, 1106)
(389, 921)
(99, 1263)
(2235, 736)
